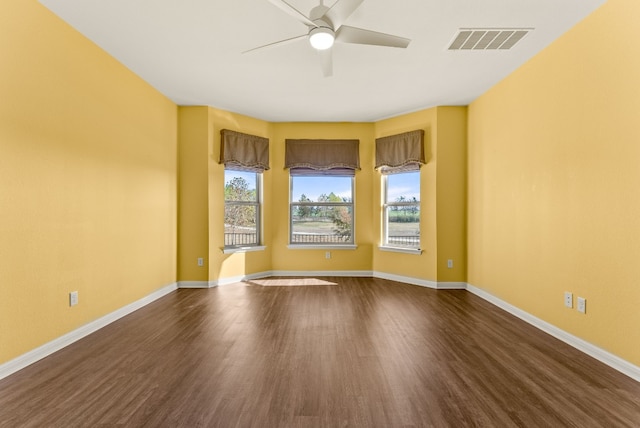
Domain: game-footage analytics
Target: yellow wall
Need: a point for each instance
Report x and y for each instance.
(201, 198)
(198, 229)
(225, 266)
(199, 135)
(554, 173)
(423, 266)
(314, 260)
(451, 193)
(193, 205)
(87, 181)
(442, 195)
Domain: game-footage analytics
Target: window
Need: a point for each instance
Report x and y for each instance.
(321, 190)
(321, 209)
(242, 203)
(398, 158)
(401, 209)
(245, 158)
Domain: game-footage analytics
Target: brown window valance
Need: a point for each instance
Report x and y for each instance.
(244, 151)
(401, 152)
(322, 155)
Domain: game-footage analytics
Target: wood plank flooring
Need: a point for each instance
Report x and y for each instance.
(330, 352)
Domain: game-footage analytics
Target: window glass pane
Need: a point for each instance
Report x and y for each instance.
(313, 224)
(321, 210)
(403, 228)
(402, 210)
(404, 187)
(240, 186)
(321, 189)
(241, 208)
(240, 223)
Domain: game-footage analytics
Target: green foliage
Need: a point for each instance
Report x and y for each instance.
(304, 211)
(339, 216)
(410, 218)
(342, 221)
(237, 190)
(405, 213)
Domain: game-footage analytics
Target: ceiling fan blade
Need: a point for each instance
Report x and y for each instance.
(292, 11)
(341, 10)
(326, 62)
(278, 43)
(346, 34)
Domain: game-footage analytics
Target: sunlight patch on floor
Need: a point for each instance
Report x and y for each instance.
(291, 282)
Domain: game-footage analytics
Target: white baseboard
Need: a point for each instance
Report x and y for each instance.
(422, 282)
(235, 279)
(196, 284)
(406, 279)
(452, 285)
(599, 354)
(365, 273)
(55, 345)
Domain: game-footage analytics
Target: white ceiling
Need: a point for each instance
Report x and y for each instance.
(191, 51)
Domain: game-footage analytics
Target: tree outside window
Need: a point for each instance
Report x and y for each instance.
(318, 216)
(242, 208)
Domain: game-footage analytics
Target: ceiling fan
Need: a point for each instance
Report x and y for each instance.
(325, 25)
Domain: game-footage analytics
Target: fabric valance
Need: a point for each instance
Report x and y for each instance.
(243, 151)
(322, 155)
(334, 172)
(401, 152)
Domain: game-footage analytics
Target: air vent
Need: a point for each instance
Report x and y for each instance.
(488, 38)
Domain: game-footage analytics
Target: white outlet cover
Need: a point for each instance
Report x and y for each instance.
(73, 298)
(582, 305)
(568, 299)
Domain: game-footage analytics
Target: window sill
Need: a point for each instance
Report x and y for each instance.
(322, 247)
(416, 251)
(231, 250)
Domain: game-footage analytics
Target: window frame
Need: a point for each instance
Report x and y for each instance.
(386, 208)
(350, 205)
(258, 204)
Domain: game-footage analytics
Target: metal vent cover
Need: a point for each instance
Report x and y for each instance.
(487, 38)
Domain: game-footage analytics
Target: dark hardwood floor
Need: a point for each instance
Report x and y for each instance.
(330, 352)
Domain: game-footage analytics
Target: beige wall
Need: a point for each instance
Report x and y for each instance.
(87, 181)
(554, 204)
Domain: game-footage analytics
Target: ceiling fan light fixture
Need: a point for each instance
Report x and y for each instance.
(321, 38)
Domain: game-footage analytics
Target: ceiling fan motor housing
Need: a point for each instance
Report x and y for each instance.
(318, 12)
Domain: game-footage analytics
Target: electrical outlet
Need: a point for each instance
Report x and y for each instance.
(568, 299)
(449, 263)
(73, 298)
(327, 255)
(200, 261)
(582, 305)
